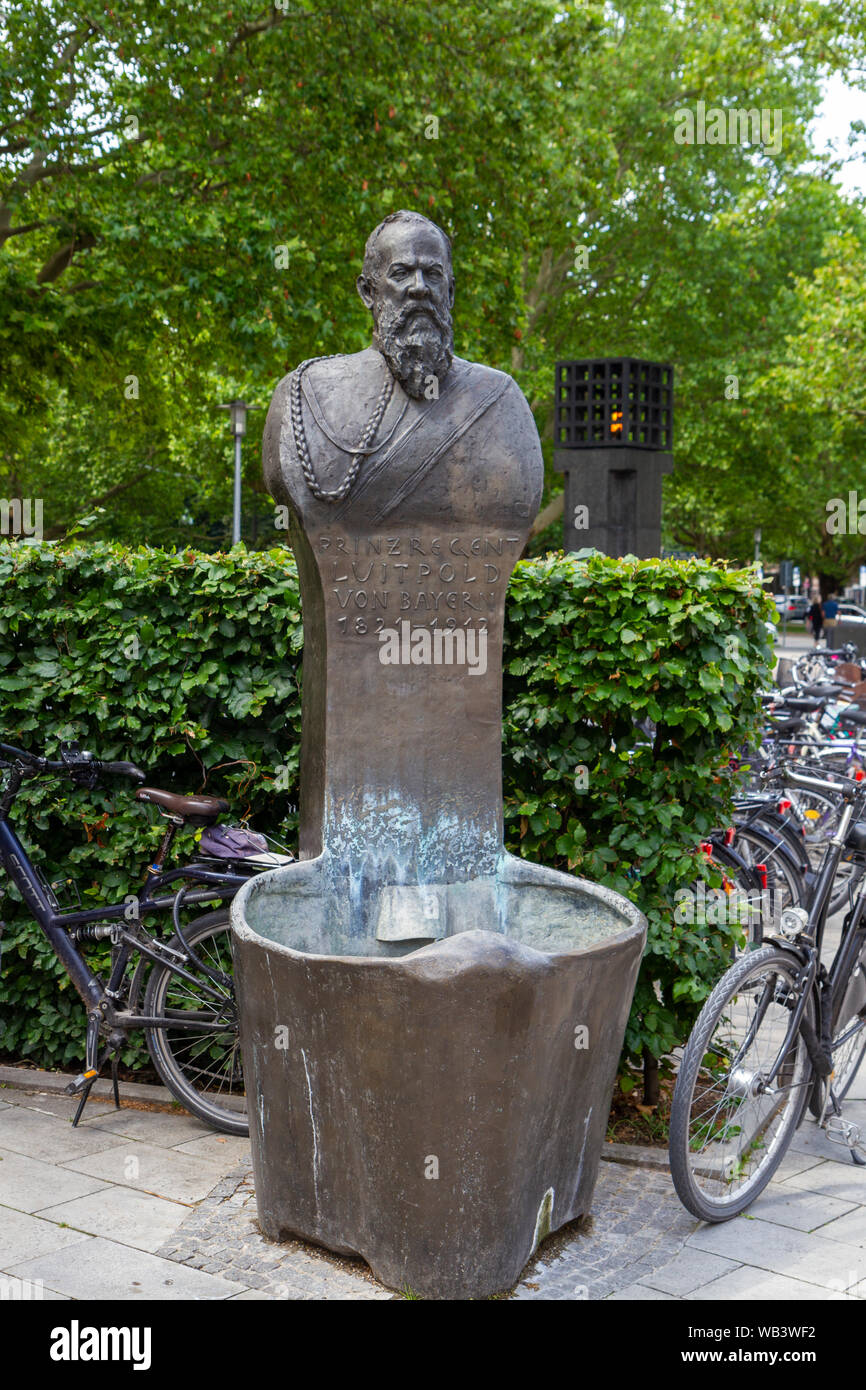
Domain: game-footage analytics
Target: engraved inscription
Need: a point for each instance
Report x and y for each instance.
(446, 581)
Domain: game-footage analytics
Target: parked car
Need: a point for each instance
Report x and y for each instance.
(850, 612)
(797, 606)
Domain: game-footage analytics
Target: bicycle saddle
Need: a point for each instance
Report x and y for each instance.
(791, 725)
(853, 715)
(801, 703)
(824, 690)
(192, 810)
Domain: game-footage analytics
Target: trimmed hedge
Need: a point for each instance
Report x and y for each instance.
(189, 665)
(597, 646)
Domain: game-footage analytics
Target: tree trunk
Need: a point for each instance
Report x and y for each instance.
(650, 1078)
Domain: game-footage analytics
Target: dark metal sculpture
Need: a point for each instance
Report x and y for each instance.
(431, 1027)
(613, 435)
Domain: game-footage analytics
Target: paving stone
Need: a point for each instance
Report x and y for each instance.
(636, 1293)
(811, 1140)
(803, 1210)
(224, 1149)
(28, 1185)
(48, 1138)
(844, 1181)
(149, 1168)
(794, 1163)
(858, 1086)
(688, 1271)
(122, 1214)
(27, 1291)
(63, 1107)
(152, 1127)
(748, 1285)
(781, 1250)
(22, 1235)
(103, 1269)
(633, 1246)
(850, 1229)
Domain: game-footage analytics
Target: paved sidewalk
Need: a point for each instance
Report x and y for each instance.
(83, 1212)
(139, 1204)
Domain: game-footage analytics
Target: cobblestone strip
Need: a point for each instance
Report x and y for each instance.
(221, 1237)
(637, 1226)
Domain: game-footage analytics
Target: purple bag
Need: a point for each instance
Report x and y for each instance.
(231, 842)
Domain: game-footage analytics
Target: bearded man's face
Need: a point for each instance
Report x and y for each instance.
(410, 299)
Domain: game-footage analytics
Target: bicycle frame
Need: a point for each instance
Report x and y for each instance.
(806, 950)
(55, 924)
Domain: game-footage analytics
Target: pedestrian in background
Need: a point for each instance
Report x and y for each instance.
(816, 618)
(831, 610)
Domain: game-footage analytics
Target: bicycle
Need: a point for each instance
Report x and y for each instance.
(779, 1032)
(184, 984)
(820, 665)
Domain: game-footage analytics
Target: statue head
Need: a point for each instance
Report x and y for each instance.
(408, 286)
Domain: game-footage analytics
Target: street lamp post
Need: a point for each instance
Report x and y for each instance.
(238, 424)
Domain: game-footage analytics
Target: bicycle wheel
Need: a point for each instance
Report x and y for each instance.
(201, 1067)
(737, 902)
(729, 1130)
(846, 882)
(785, 882)
(849, 1040)
(820, 816)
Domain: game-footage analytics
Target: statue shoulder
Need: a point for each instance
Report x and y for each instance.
(486, 379)
(348, 372)
(512, 407)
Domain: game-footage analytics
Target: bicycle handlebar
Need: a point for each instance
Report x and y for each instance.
(81, 761)
(123, 770)
(9, 750)
(849, 791)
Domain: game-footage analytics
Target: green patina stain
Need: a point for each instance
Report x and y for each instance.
(543, 1219)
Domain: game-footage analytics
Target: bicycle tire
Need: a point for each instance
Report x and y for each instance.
(719, 1201)
(775, 824)
(175, 1053)
(847, 1058)
(783, 871)
(740, 882)
(844, 884)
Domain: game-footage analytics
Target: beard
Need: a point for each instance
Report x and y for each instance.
(417, 342)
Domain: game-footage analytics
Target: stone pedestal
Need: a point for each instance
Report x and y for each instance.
(620, 489)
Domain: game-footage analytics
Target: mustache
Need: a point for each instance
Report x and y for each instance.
(392, 320)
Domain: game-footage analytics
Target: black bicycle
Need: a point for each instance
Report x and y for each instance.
(179, 991)
(779, 1032)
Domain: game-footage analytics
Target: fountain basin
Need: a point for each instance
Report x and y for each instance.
(435, 1103)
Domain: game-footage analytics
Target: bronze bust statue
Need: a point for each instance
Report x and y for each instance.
(412, 477)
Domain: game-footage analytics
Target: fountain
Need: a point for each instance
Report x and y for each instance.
(430, 1026)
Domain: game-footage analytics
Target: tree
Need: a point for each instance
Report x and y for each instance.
(185, 195)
